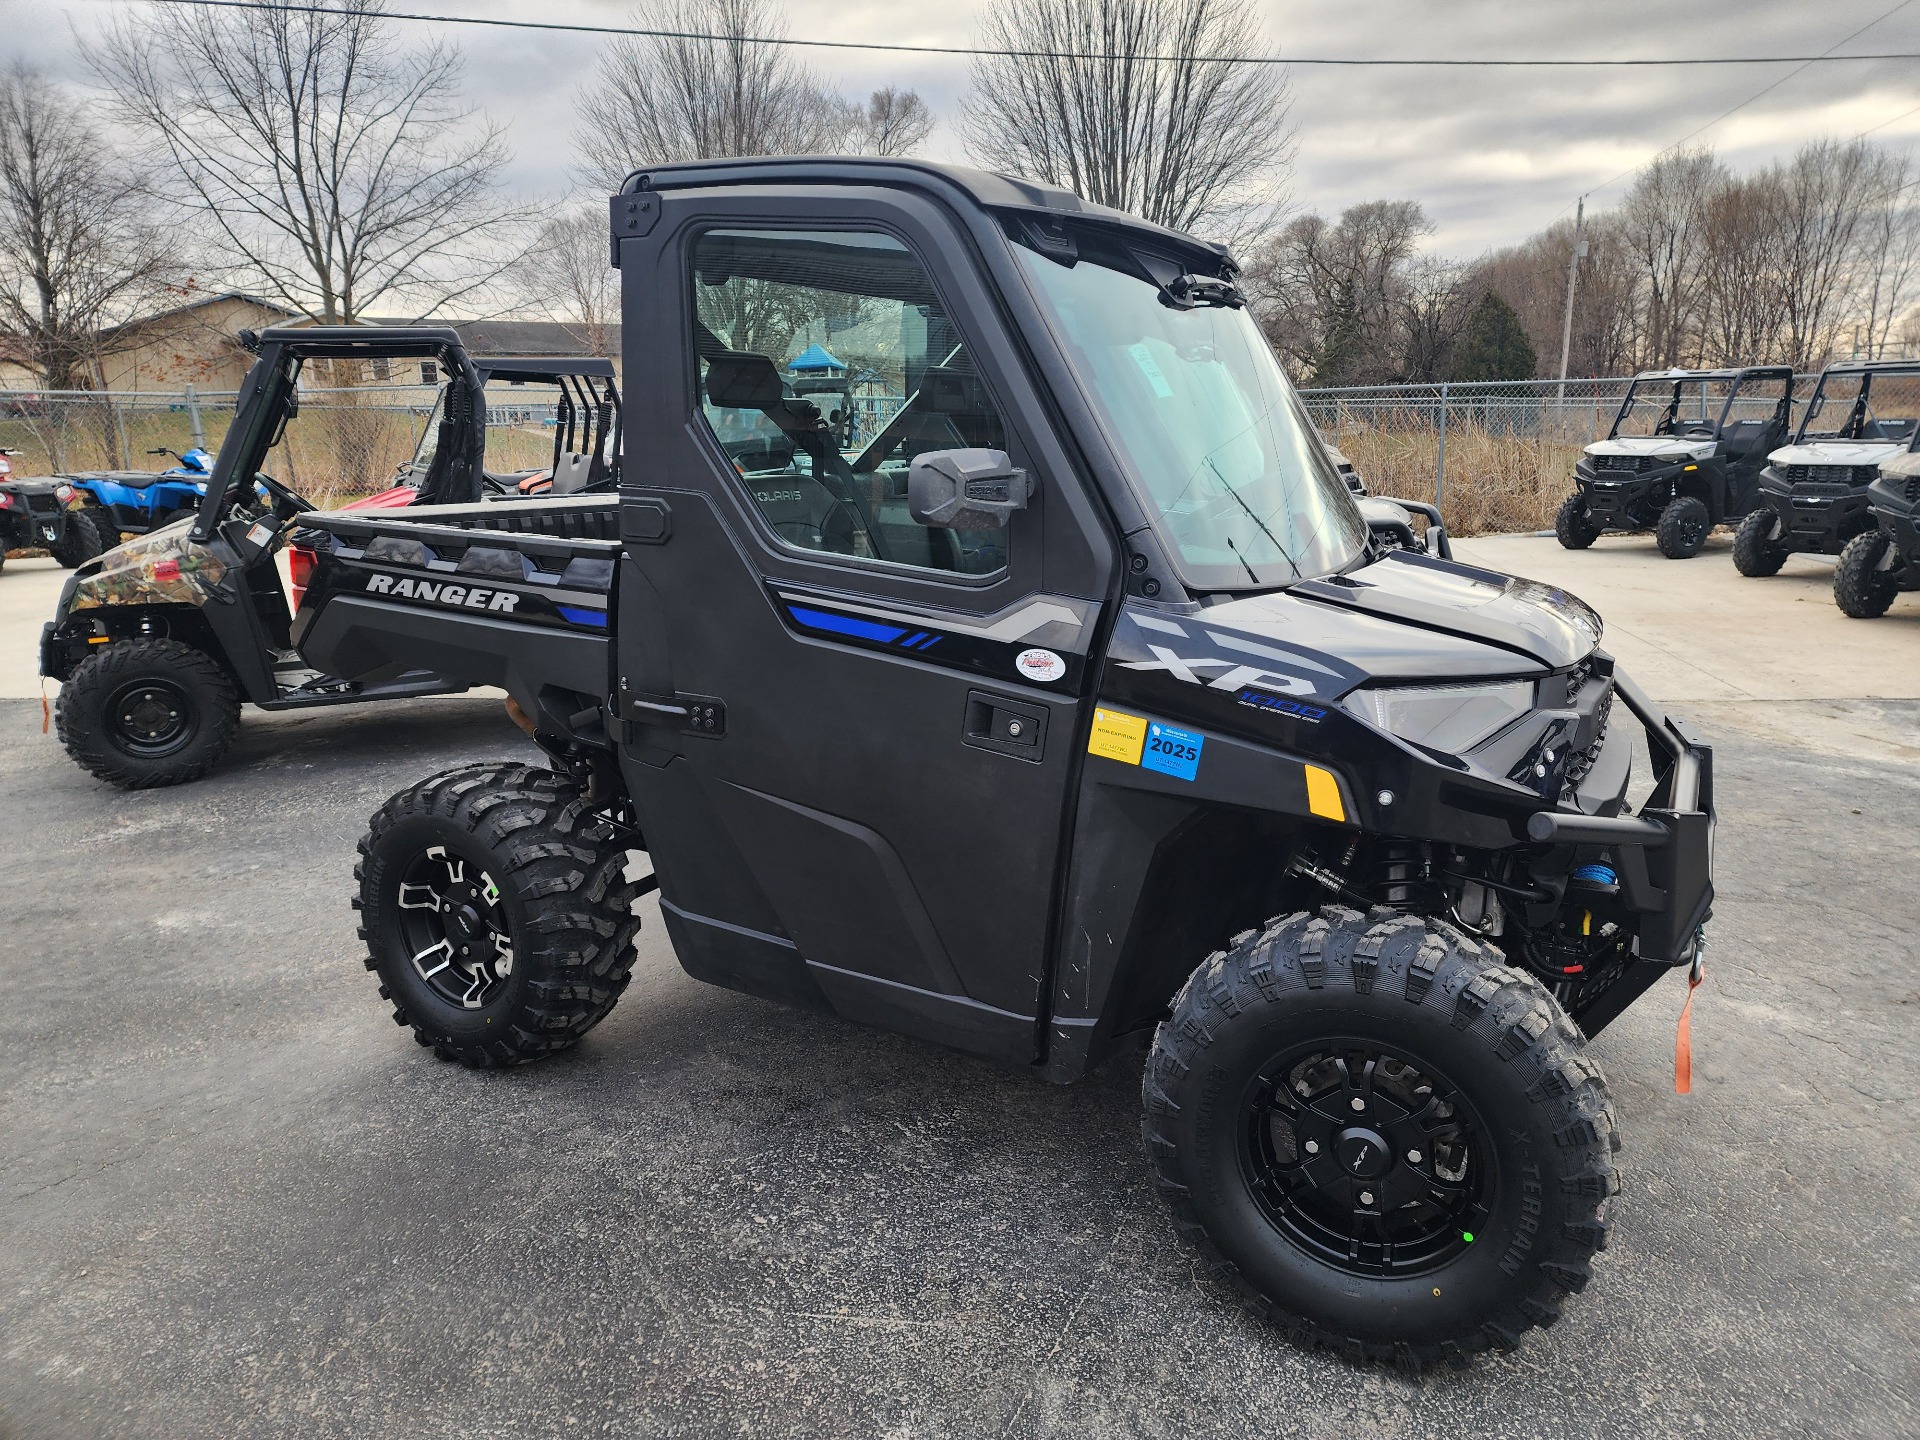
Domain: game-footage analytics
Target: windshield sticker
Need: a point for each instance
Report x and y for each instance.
(1172, 752)
(1117, 736)
(1150, 368)
(1041, 665)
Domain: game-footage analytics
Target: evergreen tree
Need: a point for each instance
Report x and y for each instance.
(1495, 347)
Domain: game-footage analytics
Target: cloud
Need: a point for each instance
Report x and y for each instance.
(1493, 155)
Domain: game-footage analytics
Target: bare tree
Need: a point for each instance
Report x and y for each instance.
(1659, 223)
(895, 122)
(1821, 198)
(1739, 312)
(328, 167)
(665, 98)
(565, 276)
(1328, 292)
(1434, 304)
(1129, 104)
(1890, 243)
(78, 246)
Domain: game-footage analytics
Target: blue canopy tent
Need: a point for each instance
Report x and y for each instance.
(814, 360)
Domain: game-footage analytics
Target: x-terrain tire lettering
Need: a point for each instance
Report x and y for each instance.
(496, 912)
(1387, 1139)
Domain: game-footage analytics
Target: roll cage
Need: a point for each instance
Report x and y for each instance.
(1680, 380)
(1860, 413)
(269, 398)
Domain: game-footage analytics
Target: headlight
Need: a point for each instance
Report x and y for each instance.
(63, 493)
(1449, 718)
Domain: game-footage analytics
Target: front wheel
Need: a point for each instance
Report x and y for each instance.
(497, 913)
(1755, 554)
(1574, 526)
(1683, 528)
(79, 541)
(147, 712)
(1387, 1139)
(1860, 587)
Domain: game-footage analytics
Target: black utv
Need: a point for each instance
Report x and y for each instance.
(159, 641)
(1880, 563)
(1813, 496)
(1070, 708)
(1683, 455)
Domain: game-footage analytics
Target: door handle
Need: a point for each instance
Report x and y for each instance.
(1006, 727)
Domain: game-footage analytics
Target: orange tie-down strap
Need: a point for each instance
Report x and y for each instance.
(1683, 1041)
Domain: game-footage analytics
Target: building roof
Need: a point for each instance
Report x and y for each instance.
(139, 321)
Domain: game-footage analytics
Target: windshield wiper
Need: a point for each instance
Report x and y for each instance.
(1252, 574)
(1238, 500)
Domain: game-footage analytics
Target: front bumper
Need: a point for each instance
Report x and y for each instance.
(1625, 500)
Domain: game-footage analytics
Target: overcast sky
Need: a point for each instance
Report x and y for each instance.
(1492, 154)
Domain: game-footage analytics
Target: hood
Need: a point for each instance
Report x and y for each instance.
(165, 567)
(1837, 452)
(1400, 619)
(1524, 618)
(1902, 465)
(1671, 446)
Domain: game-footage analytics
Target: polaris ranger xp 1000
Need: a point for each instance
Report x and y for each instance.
(1683, 455)
(1813, 494)
(1071, 704)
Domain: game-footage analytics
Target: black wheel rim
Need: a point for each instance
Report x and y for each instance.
(1367, 1159)
(454, 923)
(152, 718)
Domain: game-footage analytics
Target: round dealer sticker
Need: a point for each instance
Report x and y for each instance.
(1041, 665)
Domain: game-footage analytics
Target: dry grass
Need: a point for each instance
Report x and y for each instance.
(1495, 483)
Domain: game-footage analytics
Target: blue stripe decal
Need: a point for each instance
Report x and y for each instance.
(583, 617)
(846, 625)
(931, 643)
(914, 639)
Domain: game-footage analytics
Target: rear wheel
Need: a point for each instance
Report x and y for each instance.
(148, 712)
(497, 913)
(1860, 588)
(1754, 552)
(1388, 1140)
(79, 541)
(1574, 526)
(1683, 528)
(105, 527)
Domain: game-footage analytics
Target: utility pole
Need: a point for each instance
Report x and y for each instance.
(1573, 278)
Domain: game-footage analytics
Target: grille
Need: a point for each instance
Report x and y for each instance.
(1911, 494)
(1579, 765)
(43, 504)
(1633, 464)
(1833, 474)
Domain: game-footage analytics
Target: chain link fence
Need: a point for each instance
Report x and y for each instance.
(1495, 456)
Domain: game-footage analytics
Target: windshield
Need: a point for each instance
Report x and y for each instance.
(1214, 436)
(1863, 405)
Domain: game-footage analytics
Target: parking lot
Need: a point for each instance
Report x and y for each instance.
(237, 1200)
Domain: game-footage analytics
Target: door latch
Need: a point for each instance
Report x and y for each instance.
(688, 714)
(1006, 727)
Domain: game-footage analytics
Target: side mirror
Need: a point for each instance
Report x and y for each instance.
(965, 489)
(742, 381)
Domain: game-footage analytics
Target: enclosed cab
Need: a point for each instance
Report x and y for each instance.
(1683, 455)
(1069, 706)
(1813, 493)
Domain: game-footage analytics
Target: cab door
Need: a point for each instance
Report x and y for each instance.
(851, 738)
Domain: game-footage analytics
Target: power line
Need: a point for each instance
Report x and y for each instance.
(286, 7)
(1826, 54)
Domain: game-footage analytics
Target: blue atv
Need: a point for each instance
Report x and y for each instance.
(137, 501)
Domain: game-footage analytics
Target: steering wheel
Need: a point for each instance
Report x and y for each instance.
(295, 504)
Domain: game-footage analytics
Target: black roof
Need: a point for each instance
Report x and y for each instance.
(542, 367)
(1734, 373)
(1855, 367)
(982, 187)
